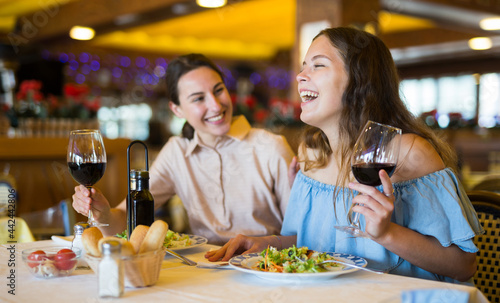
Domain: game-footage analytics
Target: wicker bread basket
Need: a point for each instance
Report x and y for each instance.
(140, 270)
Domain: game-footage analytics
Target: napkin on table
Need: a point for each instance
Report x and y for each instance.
(435, 295)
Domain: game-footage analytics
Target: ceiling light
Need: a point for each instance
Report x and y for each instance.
(490, 24)
(81, 33)
(480, 43)
(211, 3)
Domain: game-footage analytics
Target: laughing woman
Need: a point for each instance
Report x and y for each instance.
(231, 178)
(420, 221)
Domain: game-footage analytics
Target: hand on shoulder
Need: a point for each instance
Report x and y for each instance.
(417, 158)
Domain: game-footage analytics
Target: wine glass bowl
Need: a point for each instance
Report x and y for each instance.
(86, 160)
(376, 148)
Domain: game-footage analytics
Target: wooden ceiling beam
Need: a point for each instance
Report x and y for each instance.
(56, 21)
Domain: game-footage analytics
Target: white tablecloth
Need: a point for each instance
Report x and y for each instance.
(182, 283)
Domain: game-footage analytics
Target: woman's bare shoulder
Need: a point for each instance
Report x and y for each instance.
(417, 158)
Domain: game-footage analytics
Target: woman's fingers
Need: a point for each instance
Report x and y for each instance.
(226, 251)
(82, 200)
(237, 245)
(386, 183)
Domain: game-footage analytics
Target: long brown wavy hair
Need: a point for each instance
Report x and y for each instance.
(372, 93)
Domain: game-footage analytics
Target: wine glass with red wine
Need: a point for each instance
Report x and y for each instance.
(376, 148)
(87, 160)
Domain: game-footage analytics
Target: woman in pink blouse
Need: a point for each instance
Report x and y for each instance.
(232, 178)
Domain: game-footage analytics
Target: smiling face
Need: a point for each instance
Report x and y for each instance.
(205, 103)
(321, 84)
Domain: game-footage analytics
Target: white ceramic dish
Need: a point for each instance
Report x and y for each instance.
(247, 262)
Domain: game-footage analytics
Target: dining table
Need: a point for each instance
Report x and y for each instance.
(179, 282)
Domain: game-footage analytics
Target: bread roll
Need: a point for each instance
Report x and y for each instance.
(137, 236)
(90, 241)
(155, 237)
(126, 249)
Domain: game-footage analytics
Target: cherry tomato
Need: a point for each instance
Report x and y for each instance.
(65, 259)
(35, 257)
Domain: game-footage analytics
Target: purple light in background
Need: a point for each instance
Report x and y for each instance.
(117, 72)
(153, 80)
(85, 69)
(161, 62)
(273, 81)
(282, 83)
(146, 79)
(79, 78)
(95, 65)
(125, 61)
(140, 62)
(73, 64)
(255, 78)
(159, 71)
(84, 57)
(229, 78)
(71, 56)
(63, 57)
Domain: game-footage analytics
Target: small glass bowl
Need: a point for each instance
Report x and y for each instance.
(140, 270)
(53, 263)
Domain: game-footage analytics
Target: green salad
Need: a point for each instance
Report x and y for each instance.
(295, 260)
(172, 239)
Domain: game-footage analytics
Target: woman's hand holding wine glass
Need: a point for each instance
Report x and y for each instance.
(87, 160)
(377, 148)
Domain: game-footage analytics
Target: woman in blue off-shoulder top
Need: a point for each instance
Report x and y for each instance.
(420, 222)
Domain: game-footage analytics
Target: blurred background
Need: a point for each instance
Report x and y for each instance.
(109, 74)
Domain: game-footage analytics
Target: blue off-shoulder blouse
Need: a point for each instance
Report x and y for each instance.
(434, 205)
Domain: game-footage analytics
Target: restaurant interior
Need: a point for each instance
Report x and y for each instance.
(52, 81)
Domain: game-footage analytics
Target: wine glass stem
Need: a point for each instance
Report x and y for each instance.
(355, 220)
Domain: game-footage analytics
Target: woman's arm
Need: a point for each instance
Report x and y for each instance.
(427, 253)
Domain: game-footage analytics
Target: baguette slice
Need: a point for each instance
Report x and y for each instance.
(138, 236)
(155, 237)
(127, 249)
(90, 241)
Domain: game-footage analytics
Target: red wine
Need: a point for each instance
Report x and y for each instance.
(367, 173)
(87, 173)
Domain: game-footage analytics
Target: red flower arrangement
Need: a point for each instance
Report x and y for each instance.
(76, 102)
(30, 90)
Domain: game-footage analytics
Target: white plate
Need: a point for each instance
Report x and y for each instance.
(245, 263)
(195, 241)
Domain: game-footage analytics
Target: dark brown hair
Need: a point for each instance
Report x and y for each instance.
(179, 67)
(372, 93)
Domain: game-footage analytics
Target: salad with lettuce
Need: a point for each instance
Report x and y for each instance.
(295, 260)
(172, 239)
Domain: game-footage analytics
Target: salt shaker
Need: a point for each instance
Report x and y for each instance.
(111, 283)
(77, 242)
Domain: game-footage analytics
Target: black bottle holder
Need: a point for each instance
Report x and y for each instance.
(129, 202)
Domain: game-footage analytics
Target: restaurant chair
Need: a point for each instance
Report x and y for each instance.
(490, 183)
(56, 220)
(487, 277)
(14, 230)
